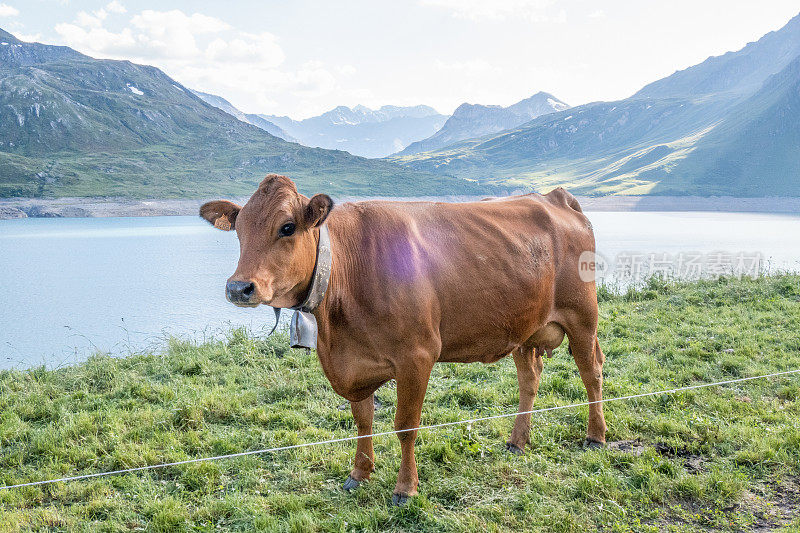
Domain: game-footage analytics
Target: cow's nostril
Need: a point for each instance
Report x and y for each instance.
(247, 291)
(240, 291)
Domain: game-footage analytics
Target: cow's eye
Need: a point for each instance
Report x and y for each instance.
(287, 229)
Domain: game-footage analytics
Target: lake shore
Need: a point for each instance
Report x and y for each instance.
(11, 208)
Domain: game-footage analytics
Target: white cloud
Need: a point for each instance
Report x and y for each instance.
(27, 37)
(173, 33)
(86, 20)
(98, 41)
(8, 11)
(159, 23)
(478, 10)
(205, 53)
(116, 7)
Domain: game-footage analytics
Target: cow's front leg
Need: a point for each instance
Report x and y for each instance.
(412, 382)
(364, 463)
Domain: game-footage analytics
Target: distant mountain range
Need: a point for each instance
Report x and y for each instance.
(71, 125)
(256, 120)
(364, 131)
(728, 126)
(474, 120)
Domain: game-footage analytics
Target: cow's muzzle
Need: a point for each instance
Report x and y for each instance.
(241, 293)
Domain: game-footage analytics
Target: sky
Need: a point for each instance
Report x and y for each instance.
(301, 58)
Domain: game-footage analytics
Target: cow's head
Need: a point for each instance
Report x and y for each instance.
(277, 241)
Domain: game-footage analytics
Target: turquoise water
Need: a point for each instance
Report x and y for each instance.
(74, 286)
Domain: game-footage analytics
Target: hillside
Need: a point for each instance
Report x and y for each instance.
(256, 120)
(757, 146)
(474, 120)
(71, 125)
(728, 126)
(364, 131)
(740, 72)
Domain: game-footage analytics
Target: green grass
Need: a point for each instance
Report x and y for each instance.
(243, 393)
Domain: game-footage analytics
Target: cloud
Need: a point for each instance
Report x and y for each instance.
(116, 7)
(479, 10)
(27, 37)
(86, 20)
(173, 33)
(8, 11)
(99, 41)
(204, 53)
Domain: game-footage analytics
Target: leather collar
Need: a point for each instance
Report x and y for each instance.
(322, 273)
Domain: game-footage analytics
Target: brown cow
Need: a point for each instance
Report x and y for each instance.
(413, 283)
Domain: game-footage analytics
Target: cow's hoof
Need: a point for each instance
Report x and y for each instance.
(351, 484)
(593, 444)
(398, 500)
(513, 448)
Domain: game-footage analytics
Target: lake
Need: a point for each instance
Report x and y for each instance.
(72, 286)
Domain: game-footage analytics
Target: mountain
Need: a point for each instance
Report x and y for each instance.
(728, 126)
(71, 125)
(473, 120)
(757, 147)
(255, 120)
(364, 131)
(740, 72)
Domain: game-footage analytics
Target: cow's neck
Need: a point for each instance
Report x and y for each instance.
(321, 275)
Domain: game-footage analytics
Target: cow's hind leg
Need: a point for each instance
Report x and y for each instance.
(529, 369)
(364, 463)
(587, 354)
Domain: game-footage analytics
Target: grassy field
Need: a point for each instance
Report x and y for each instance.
(723, 458)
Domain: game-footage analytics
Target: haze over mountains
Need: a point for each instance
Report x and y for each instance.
(71, 125)
(728, 126)
(364, 131)
(257, 121)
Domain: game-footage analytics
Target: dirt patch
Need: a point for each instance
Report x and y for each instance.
(692, 462)
(778, 507)
(626, 446)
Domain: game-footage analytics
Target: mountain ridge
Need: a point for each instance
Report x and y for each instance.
(71, 125)
(361, 130)
(693, 132)
(249, 118)
(475, 120)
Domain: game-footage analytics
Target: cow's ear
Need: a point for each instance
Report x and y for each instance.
(317, 210)
(221, 213)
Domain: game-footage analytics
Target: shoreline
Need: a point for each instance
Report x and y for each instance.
(11, 208)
